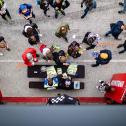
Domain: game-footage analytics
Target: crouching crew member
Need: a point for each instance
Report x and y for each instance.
(65, 82)
(91, 39)
(51, 83)
(30, 57)
(60, 58)
(46, 52)
(75, 50)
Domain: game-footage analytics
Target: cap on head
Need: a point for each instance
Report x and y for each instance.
(63, 29)
(104, 55)
(23, 7)
(29, 56)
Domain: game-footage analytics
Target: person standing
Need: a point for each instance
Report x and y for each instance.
(4, 11)
(90, 4)
(124, 7)
(27, 11)
(26, 32)
(116, 29)
(44, 5)
(32, 32)
(62, 31)
(58, 6)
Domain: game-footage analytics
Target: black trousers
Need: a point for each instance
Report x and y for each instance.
(122, 45)
(86, 11)
(45, 11)
(30, 19)
(90, 47)
(4, 15)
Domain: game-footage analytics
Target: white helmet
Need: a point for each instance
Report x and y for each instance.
(29, 56)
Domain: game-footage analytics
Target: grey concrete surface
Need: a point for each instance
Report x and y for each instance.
(13, 76)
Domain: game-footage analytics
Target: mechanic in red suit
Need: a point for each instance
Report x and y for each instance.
(30, 56)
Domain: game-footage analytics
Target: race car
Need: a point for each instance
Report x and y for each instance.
(63, 100)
